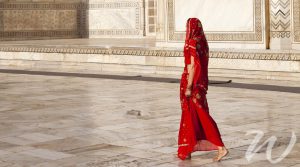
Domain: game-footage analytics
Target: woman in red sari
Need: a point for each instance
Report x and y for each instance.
(198, 131)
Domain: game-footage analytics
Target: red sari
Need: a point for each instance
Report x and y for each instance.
(198, 131)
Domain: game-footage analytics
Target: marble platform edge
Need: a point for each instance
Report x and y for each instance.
(281, 55)
(145, 70)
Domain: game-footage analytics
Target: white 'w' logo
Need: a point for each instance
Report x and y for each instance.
(270, 143)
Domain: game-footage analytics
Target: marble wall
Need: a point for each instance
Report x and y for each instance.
(48, 19)
(247, 24)
(227, 23)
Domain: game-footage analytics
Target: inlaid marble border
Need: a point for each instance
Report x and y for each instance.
(257, 36)
(280, 14)
(224, 54)
(296, 20)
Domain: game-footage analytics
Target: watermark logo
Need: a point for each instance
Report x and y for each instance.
(270, 142)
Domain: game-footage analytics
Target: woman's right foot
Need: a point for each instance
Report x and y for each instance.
(221, 154)
(188, 156)
(182, 157)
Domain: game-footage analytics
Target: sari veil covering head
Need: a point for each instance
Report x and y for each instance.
(194, 36)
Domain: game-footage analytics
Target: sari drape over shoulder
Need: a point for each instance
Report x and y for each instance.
(198, 131)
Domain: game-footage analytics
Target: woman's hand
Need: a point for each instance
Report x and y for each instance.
(188, 92)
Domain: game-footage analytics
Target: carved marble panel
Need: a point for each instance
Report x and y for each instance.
(115, 18)
(39, 20)
(250, 29)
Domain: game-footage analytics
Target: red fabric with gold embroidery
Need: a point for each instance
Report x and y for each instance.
(198, 131)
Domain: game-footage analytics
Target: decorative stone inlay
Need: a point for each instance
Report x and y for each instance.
(39, 20)
(221, 54)
(280, 12)
(151, 16)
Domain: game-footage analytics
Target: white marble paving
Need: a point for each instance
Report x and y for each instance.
(46, 154)
(17, 140)
(40, 137)
(50, 121)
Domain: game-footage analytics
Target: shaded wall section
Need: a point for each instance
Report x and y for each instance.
(42, 19)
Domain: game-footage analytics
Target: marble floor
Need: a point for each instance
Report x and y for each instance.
(66, 121)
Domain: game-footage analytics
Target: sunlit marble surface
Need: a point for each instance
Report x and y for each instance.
(72, 121)
(230, 22)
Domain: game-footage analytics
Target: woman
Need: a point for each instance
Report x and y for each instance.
(198, 131)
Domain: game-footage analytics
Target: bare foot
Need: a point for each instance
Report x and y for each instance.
(181, 156)
(221, 154)
(189, 156)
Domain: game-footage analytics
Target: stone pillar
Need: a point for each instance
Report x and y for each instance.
(280, 24)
